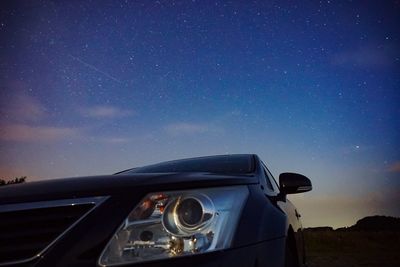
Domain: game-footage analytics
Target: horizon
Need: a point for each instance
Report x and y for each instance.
(349, 226)
(92, 89)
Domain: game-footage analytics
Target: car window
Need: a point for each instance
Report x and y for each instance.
(270, 179)
(273, 181)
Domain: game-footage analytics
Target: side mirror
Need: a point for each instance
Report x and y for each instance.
(293, 183)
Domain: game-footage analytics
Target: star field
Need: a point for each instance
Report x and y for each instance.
(92, 87)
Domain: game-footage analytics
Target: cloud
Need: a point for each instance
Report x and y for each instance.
(183, 128)
(395, 167)
(104, 112)
(26, 133)
(366, 57)
(22, 108)
(22, 117)
(115, 140)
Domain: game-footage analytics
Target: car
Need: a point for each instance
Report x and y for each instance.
(224, 210)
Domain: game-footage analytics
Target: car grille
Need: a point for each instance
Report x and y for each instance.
(28, 229)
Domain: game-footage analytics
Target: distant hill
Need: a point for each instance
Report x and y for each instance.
(371, 223)
(319, 229)
(376, 223)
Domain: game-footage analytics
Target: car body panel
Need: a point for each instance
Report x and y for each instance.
(294, 224)
(259, 239)
(116, 185)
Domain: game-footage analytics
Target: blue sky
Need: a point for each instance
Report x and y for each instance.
(91, 88)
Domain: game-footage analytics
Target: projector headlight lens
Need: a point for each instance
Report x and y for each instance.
(187, 214)
(190, 213)
(179, 223)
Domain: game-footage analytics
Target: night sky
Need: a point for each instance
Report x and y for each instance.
(310, 86)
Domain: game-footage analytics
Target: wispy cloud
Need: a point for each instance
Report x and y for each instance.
(395, 167)
(184, 128)
(105, 112)
(22, 108)
(114, 140)
(366, 57)
(23, 119)
(26, 133)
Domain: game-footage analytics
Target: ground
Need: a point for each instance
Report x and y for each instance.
(353, 249)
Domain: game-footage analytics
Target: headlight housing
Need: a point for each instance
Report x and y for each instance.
(178, 223)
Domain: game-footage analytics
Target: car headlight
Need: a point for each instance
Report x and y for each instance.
(178, 223)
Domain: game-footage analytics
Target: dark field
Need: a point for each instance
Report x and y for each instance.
(352, 248)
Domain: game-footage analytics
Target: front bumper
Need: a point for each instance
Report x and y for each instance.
(267, 254)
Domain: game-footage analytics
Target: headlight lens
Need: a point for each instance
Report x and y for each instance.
(179, 223)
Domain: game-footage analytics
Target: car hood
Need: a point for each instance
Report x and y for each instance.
(120, 184)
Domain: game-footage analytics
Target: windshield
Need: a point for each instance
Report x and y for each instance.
(228, 164)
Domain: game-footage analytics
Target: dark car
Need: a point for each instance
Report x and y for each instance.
(210, 211)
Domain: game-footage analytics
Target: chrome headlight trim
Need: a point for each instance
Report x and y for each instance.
(126, 246)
